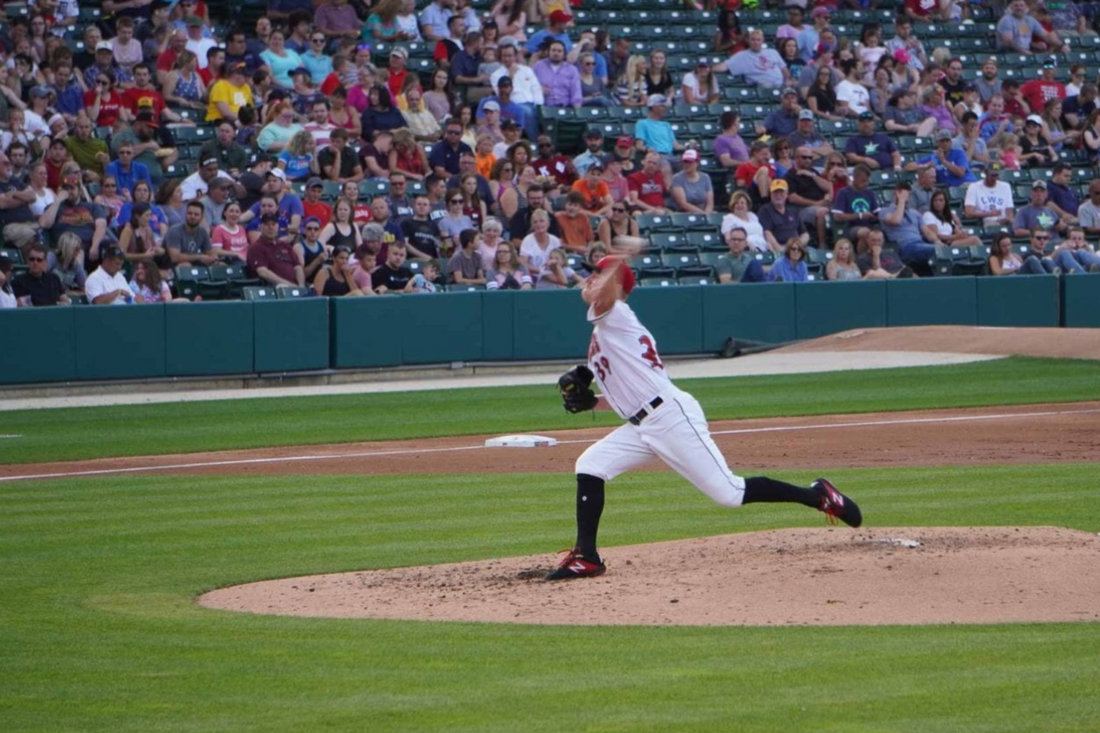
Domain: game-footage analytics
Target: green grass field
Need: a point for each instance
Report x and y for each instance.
(99, 631)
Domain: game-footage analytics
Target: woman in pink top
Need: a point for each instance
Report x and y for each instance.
(230, 236)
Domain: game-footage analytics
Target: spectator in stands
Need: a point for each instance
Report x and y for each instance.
(1088, 215)
(520, 225)
(311, 253)
(492, 232)
(422, 235)
(107, 285)
(552, 164)
(1037, 150)
(338, 278)
(648, 186)
(506, 272)
(1038, 215)
(810, 38)
(91, 153)
(741, 216)
(38, 286)
(870, 148)
(446, 155)
(72, 212)
(995, 123)
(1036, 259)
(557, 22)
(214, 202)
(231, 156)
(701, 85)
(228, 95)
(941, 226)
(780, 222)
(381, 216)
(760, 66)
(842, 267)
(393, 276)
(421, 122)
(969, 140)
(821, 95)
(783, 121)
(729, 147)
(558, 274)
(455, 221)
(526, 89)
(189, 243)
(877, 263)
(809, 194)
(924, 11)
(126, 171)
(618, 227)
(852, 98)
(791, 265)
(1004, 261)
(1037, 92)
(574, 224)
(7, 295)
(857, 206)
(196, 184)
(315, 60)
(990, 199)
(341, 231)
(1076, 109)
(952, 167)
(740, 265)
(464, 267)
(987, 83)
(536, 246)
(593, 153)
(1074, 250)
(560, 80)
(20, 228)
(288, 207)
(904, 40)
(1060, 197)
(338, 162)
(1014, 104)
(273, 260)
(806, 136)
(139, 241)
(691, 190)
(904, 117)
(902, 226)
(1019, 32)
(594, 192)
(757, 174)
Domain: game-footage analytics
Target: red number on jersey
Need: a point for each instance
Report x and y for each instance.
(650, 354)
(603, 367)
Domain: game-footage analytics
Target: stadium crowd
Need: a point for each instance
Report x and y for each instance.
(349, 148)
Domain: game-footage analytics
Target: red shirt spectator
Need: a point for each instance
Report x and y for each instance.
(1038, 92)
(108, 110)
(167, 60)
(320, 210)
(747, 171)
(133, 97)
(558, 166)
(651, 188)
(921, 8)
(279, 257)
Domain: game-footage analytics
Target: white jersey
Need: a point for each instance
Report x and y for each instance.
(623, 356)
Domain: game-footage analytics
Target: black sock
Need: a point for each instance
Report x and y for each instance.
(589, 509)
(762, 488)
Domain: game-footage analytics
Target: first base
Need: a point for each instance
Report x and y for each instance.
(521, 441)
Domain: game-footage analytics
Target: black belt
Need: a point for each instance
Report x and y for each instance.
(643, 413)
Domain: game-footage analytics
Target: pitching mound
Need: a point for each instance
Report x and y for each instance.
(803, 577)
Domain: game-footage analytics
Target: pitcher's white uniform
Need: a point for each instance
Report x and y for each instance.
(663, 421)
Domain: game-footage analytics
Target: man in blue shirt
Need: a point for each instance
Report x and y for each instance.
(127, 172)
(555, 31)
(654, 132)
(784, 121)
(446, 155)
(870, 148)
(952, 167)
(857, 207)
(901, 225)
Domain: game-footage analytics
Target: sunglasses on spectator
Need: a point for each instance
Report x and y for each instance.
(454, 132)
(1041, 239)
(313, 228)
(456, 201)
(805, 157)
(318, 40)
(36, 259)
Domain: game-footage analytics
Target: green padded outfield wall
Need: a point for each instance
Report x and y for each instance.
(208, 338)
(359, 331)
(672, 316)
(498, 324)
(121, 342)
(1081, 301)
(943, 301)
(290, 335)
(751, 311)
(442, 328)
(1018, 300)
(36, 345)
(822, 308)
(549, 324)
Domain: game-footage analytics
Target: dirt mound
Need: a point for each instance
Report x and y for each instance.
(804, 577)
(1068, 343)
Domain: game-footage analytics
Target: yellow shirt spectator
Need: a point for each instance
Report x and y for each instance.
(232, 96)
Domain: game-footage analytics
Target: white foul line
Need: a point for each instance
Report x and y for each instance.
(457, 449)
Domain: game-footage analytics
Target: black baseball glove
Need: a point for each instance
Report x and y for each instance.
(576, 389)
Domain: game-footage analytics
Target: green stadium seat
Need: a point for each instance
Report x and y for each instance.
(696, 280)
(656, 281)
(645, 262)
(188, 279)
(666, 240)
(80, 299)
(289, 292)
(260, 293)
(711, 240)
(681, 260)
(15, 255)
(464, 288)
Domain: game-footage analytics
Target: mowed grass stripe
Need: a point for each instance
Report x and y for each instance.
(129, 430)
(102, 633)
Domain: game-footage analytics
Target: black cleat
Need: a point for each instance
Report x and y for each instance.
(836, 505)
(576, 565)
